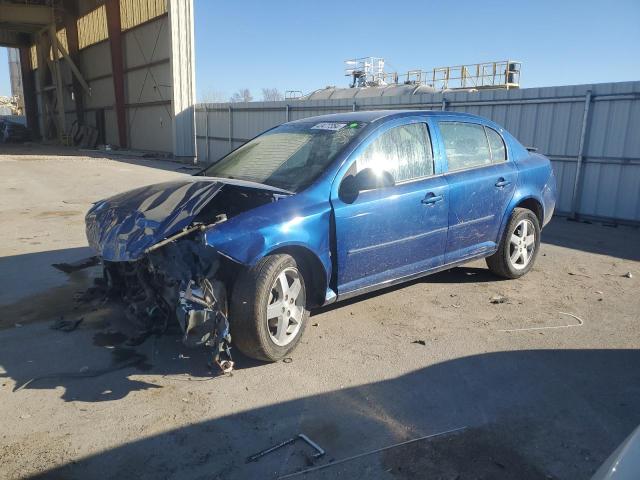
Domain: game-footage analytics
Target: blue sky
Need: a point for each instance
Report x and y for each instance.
(296, 45)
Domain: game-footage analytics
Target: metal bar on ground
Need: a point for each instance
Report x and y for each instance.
(360, 455)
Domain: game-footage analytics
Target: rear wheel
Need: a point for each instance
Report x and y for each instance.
(518, 247)
(268, 308)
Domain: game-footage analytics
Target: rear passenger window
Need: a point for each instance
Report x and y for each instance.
(498, 151)
(465, 144)
(404, 152)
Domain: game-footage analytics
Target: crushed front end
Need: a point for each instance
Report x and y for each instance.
(184, 281)
(156, 261)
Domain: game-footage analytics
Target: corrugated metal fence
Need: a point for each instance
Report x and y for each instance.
(590, 132)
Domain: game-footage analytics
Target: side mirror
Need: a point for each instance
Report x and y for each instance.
(367, 179)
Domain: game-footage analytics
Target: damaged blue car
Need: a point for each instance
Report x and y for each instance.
(315, 211)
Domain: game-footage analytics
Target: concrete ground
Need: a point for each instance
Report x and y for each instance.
(427, 357)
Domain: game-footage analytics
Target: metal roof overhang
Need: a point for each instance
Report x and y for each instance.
(20, 20)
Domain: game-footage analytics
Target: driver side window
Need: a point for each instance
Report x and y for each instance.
(403, 151)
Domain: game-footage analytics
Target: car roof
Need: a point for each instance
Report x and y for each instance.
(376, 115)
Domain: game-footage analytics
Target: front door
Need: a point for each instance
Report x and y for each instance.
(388, 233)
(481, 180)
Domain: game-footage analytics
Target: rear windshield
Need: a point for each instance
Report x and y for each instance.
(290, 156)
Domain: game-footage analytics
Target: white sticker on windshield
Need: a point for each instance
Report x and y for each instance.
(329, 126)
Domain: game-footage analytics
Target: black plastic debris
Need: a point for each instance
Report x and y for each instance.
(66, 325)
(77, 265)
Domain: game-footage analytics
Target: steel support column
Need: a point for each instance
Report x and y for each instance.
(71, 26)
(57, 80)
(117, 66)
(577, 183)
(41, 75)
(230, 128)
(29, 91)
(206, 135)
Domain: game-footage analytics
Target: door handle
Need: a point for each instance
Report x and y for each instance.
(431, 198)
(502, 182)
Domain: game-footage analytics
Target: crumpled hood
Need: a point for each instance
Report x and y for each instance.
(122, 227)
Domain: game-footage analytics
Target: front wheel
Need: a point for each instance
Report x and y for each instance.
(518, 247)
(268, 308)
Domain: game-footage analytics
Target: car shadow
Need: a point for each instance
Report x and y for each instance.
(93, 363)
(33, 289)
(530, 414)
(456, 275)
(618, 241)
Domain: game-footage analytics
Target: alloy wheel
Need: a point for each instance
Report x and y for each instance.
(285, 310)
(522, 244)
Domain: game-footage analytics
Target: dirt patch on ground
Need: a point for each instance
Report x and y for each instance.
(473, 454)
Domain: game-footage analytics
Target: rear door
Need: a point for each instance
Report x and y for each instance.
(482, 180)
(388, 233)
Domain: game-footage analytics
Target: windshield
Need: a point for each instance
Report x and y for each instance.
(289, 157)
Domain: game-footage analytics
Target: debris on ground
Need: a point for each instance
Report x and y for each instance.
(66, 325)
(372, 452)
(420, 342)
(319, 451)
(287, 359)
(77, 265)
(628, 275)
(579, 324)
(574, 274)
(496, 299)
(91, 293)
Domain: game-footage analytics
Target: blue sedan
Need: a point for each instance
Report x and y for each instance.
(316, 211)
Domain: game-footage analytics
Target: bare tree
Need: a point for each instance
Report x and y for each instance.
(271, 95)
(213, 96)
(242, 95)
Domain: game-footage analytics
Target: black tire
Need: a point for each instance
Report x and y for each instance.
(500, 263)
(247, 320)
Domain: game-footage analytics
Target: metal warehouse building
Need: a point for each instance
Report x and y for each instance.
(118, 72)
